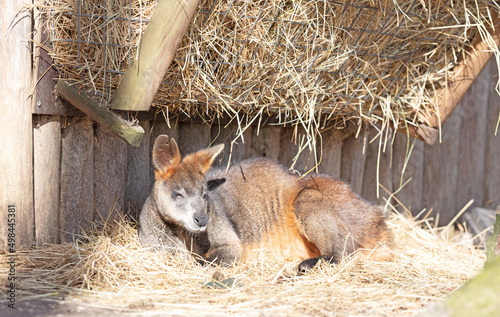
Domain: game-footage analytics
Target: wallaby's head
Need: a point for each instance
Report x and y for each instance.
(180, 189)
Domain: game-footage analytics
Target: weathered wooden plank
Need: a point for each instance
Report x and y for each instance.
(441, 171)
(110, 166)
(411, 194)
(116, 124)
(290, 144)
(241, 148)
(353, 161)
(193, 137)
(46, 174)
(156, 51)
(16, 161)
(472, 142)
(267, 142)
(378, 160)
(330, 152)
(138, 173)
(492, 153)
(77, 179)
(464, 75)
(157, 128)
(46, 102)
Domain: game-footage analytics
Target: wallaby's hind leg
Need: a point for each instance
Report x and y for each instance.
(309, 264)
(320, 225)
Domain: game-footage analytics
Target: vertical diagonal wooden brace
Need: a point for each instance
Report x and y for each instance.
(155, 53)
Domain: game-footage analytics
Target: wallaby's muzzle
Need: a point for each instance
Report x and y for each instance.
(200, 219)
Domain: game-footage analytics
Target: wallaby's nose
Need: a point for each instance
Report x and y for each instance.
(200, 219)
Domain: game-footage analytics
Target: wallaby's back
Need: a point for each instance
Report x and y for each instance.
(253, 209)
(263, 206)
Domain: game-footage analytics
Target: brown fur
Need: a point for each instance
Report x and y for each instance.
(257, 204)
(166, 221)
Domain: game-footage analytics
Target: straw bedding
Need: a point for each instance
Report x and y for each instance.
(108, 267)
(305, 62)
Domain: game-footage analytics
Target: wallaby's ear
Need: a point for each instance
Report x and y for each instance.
(165, 153)
(214, 183)
(205, 158)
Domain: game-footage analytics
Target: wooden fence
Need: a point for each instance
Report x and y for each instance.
(84, 174)
(63, 173)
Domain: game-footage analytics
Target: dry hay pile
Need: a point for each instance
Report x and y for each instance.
(303, 61)
(110, 267)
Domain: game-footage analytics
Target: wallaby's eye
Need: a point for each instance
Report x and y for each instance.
(176, 195)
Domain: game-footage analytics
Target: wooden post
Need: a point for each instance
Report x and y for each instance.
(77, 179)
(138, 176)
(156, 50)
(240, 151)
(16, 160)
(411, 194)
(441, 171)
(353, 161)
(378, 160)
(267, 142)
(331, 156)
(110, 167)
(193, 137)
(289, 147)
(472, 142)
(492, 153)
(47, 167)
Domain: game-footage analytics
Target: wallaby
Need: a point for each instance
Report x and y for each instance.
(223, 215)
(175, 214)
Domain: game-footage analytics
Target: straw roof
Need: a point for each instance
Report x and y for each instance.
(304, 61)
(109, 268)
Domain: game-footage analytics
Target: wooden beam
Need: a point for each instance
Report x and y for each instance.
(47, 168)
(226, 134)
(472, 142)
(46, 102)
(16, 155)
(377, 170)
(138, 180)
(267, 142)
(464, 75)
(110, 168)
(411, 194)
(193, 137)
(155, 53)
(330, 152)
(77, 179)
(131, 134)
(352, 166)
(492, 157)
(423, 133)
(292, 138)
(441, 171)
